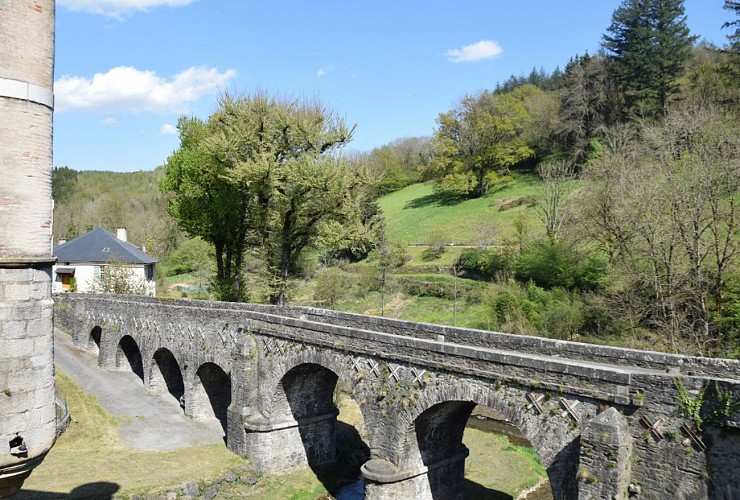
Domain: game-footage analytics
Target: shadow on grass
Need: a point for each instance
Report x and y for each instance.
(441, 199)
(101, 490)
(475, 491)
(352, 452)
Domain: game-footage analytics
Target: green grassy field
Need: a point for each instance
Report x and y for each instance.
(91, 460)
(416, 212)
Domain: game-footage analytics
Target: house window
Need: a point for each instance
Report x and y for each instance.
(150, 272)
(96, 272)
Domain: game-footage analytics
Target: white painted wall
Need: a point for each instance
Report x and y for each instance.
(85, 276)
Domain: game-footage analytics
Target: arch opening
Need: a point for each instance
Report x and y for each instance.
(330, 425)
(93, 341)
(165, 374)
(211, 394)
(128, 356)
(501, 459)
(483, 455)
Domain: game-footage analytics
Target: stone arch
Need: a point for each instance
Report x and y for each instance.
(128, 356)
(271, 380)
(297, 403)
(433, 430)
(211, 394)
(165, 374)
(94, 339)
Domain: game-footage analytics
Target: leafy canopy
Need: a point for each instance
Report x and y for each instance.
(262, 174)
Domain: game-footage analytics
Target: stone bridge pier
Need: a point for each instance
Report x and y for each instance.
(606, 423)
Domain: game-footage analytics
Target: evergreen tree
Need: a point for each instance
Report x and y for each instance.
(648, 42)
(734, 37)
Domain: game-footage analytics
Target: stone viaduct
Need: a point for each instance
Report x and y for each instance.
(605, 422)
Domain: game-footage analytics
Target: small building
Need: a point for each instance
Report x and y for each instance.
(82, 262)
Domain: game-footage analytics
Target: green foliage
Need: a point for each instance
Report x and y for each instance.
(399, 163)
(710, 405)
(551, 265)
(332, 285)
(727, 317)
(585, 105)
(532, 310)
(479, 140)
(663, 205)
(537, 77)
(63, 183)
(119, 278)
(441, 286)
(191, 256)
(648, 42)
(261, 174)
(486, 264)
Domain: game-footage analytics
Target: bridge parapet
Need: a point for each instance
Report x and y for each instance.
(574, 351)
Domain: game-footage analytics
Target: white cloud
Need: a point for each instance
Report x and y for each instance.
(168, 129)
(128, 89)
(485, 49)
(118, 8)
(325, 71)
(108, 121)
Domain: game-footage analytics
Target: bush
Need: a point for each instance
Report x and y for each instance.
(532, 310)
(441, 287)
(193, 255)
(485, 264)
(432, 253)
(331, 286)
(559, 265)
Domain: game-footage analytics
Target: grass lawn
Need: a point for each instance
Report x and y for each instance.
(91, 459)
(415, 212)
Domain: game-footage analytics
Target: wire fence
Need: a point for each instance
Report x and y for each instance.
(63, 415)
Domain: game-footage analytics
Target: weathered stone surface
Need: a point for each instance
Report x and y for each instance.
(582, 407)
(606, 447)
(190, 488)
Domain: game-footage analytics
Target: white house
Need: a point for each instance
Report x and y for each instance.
(85, 257)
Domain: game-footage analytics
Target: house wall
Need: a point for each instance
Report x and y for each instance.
(85, 277)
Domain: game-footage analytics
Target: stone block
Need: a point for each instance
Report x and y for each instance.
(16, 275)
(17, 292)
(10, 329)
(17, 348)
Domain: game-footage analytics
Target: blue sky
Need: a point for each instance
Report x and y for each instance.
(127, 69)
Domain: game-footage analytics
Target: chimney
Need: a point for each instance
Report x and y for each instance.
(122, 234)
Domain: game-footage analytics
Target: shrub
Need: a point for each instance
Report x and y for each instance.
(558, 265)
(532, 310)
(440, 287)
(331, 286)
(485, 264)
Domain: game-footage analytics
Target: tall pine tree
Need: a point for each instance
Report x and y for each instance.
(648, 42)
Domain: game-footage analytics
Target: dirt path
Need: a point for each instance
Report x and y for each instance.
(155, 422)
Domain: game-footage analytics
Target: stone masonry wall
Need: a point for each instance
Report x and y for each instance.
(26, 357)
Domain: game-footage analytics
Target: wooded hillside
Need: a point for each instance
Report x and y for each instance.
(596, 202)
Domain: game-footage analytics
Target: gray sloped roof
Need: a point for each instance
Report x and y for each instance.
(101, 246)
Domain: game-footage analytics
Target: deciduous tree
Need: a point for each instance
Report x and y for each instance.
(267, 176)
(479, 140)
